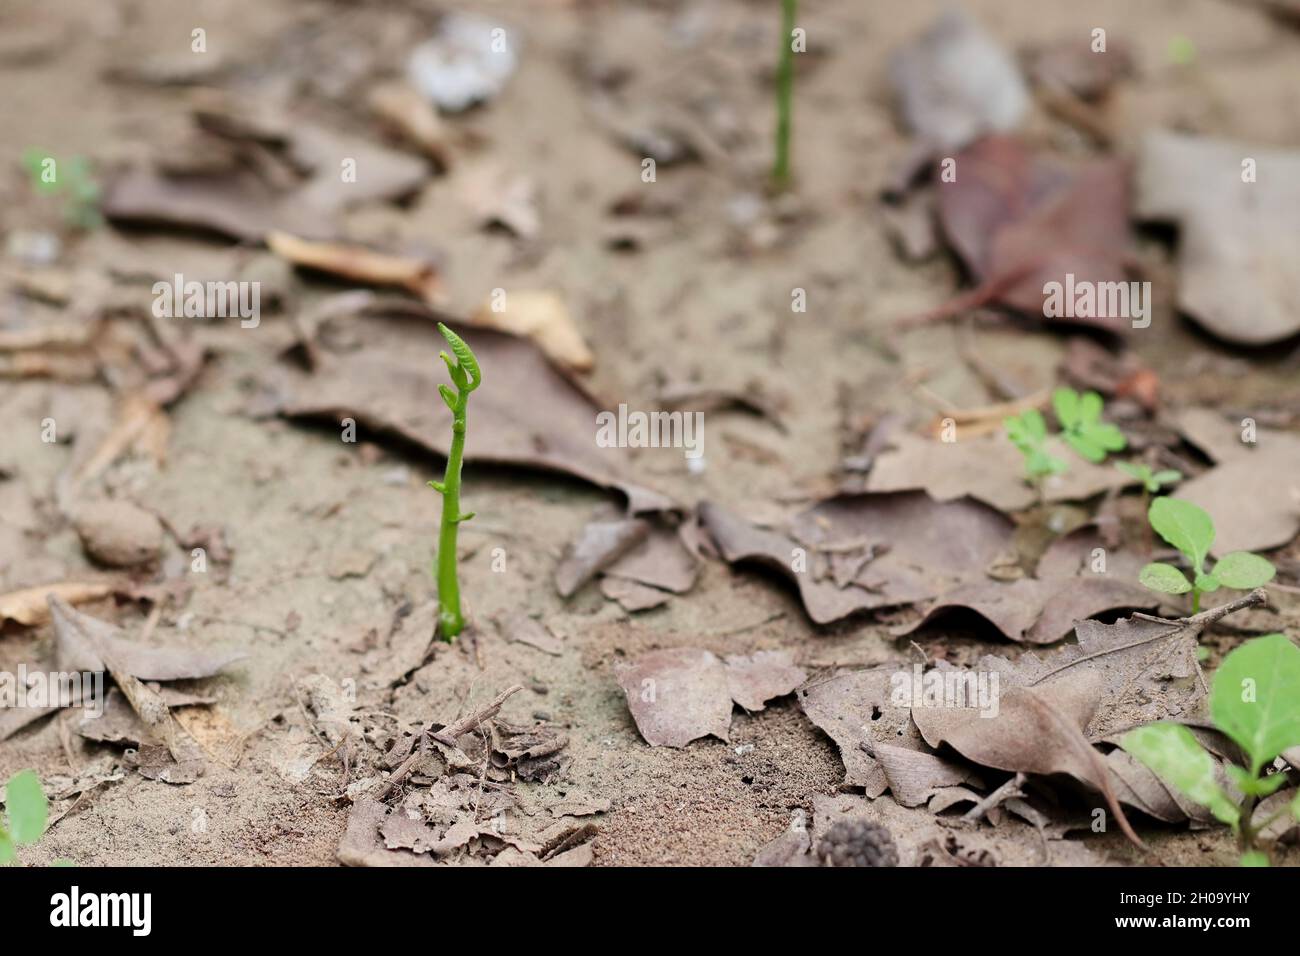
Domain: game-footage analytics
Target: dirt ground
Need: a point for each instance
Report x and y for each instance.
(330, 541)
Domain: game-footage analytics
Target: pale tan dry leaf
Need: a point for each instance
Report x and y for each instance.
(409, 114)
(28, 606)
(543, 317)
(359, 264)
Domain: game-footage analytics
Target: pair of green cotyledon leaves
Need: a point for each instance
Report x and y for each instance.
(1255, 701)
(27, 812)
(1081, 428)
(1191, 530)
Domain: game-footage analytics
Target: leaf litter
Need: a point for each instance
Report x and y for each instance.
(544, 421)
(681, 694)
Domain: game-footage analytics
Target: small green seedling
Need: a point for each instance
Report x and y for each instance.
(784, 95)
(1081, 429)
(466, 377)
(1255, 701)
(1151, 481)
(70, 178)
(1028, 432)
(1191, 530)
(26, 812)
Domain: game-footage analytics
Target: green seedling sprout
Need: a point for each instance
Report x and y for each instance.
(784, 94)
(1081, 425)
(1255, 701)
(1028, 432)
(72, 179)
(466, 377)
(1081, 428)
(26, 812)
(1191, 530)
(1151, 482)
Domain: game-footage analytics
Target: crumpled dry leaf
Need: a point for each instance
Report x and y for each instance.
(272, 171)
(239, 206)
(119, 723)
(665, 559)
(857, 711)
(359, 264)
(1041, 610)
(543, 317)
(894, 549)
(677, 695)
(1019, 222)
(988, 468)
(1036, 729)
(1238, 244)
(755, 679)
(1051, 710)
(80, 641)
(85, 644)
(389, 383)
(526, 630)
(402, 108)
(362, 844)
(632, 596)
(28, 606)
(599, 544)
(1253, 493)
(955, 83)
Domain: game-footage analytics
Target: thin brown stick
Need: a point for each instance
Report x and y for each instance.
(449, 733)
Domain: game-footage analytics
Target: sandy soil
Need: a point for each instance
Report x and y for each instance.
(330, 540)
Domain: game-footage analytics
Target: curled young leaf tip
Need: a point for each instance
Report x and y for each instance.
(465, 361)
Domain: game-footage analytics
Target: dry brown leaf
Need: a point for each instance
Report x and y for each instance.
(896, 548)
(1041, 611)
(1034, 730)
(389, 383)
(1238, 243)
(598, 545)
(988, 468)
(681, 694)
(1019, 223)
(81, 642)
(29, 606)
(359, 264)
(409, 114)
(632, 596)
(543, 317)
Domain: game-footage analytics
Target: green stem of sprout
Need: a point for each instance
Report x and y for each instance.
(466, 377)
(784, 90)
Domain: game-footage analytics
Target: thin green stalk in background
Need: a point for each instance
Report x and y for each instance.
(465, 375)
(784, 89)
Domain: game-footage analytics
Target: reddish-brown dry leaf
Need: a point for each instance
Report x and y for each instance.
(1019, 222)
